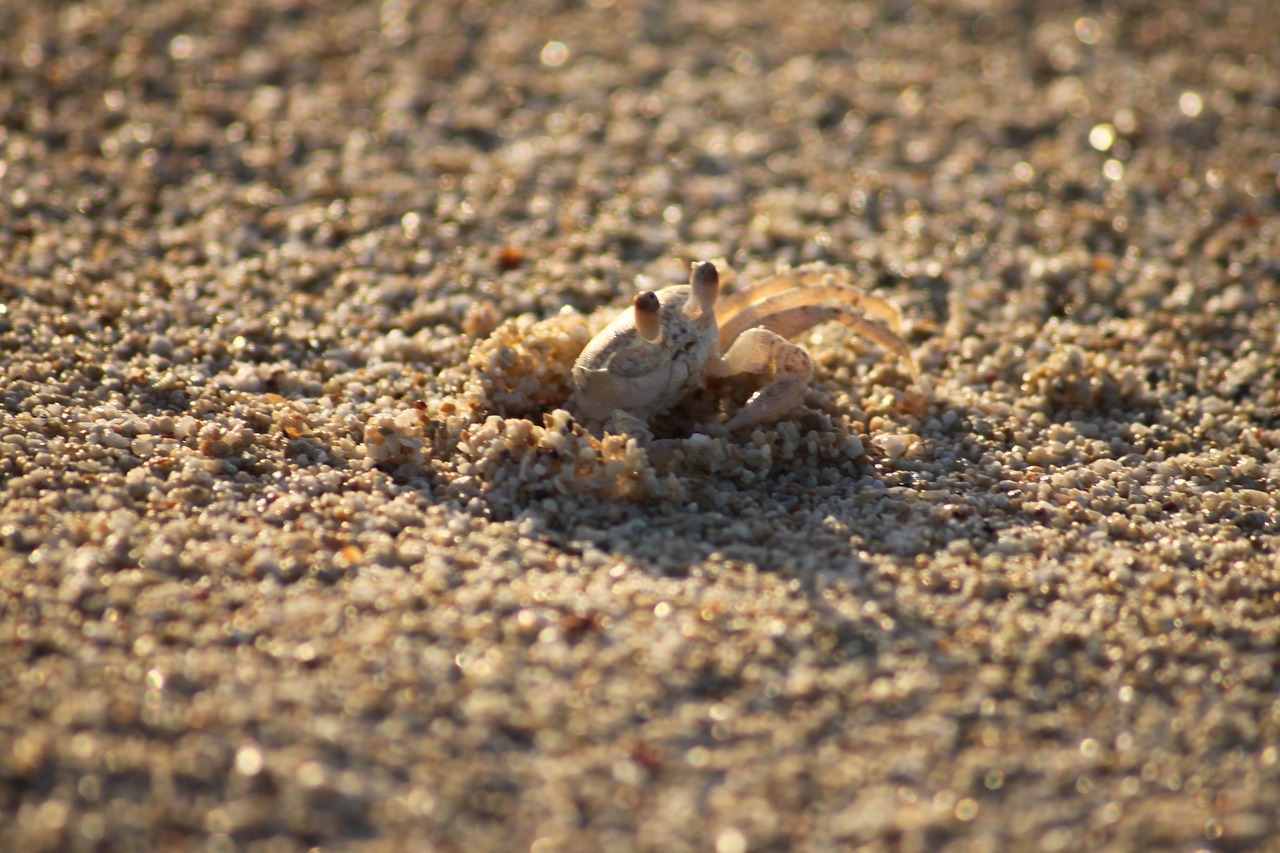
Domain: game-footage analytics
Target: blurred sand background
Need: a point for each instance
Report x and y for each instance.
(297, 552)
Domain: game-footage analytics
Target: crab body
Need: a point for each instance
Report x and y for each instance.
(670, 341)
(621, 371)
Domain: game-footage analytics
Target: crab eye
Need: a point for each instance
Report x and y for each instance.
(648, 316)
(704, 280)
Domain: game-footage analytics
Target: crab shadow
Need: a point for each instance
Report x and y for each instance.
(863, 524)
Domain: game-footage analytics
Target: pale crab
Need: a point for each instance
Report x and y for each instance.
(670, 341)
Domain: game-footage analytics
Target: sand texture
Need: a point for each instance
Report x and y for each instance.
(299, 549)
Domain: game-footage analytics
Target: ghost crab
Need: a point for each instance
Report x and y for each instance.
(670, 341)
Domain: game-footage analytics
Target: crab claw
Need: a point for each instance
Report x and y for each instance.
(704, 280)
(648, 316)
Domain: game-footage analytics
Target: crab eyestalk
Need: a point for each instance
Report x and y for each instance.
(648, 316)
(704, 281)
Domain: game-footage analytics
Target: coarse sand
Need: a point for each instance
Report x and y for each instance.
(298, 549)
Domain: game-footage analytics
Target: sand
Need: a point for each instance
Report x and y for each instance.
(298, 549)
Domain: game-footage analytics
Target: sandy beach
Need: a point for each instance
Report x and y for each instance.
(300, 550)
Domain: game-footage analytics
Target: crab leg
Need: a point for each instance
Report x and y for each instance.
(790, 322)
(836, 296)
(759, 351)
(820, 282)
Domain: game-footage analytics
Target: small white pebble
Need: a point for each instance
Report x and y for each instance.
(891, 444)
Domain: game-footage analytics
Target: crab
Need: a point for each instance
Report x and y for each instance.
(670, 341)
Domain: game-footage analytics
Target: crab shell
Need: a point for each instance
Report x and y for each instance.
(621, 371)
